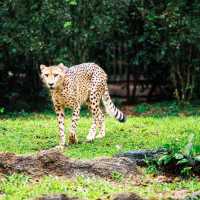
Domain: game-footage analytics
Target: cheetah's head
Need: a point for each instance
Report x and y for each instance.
(53, 76)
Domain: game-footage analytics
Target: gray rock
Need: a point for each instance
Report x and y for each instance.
(139, 156)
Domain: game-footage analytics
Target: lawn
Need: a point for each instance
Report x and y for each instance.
(151, 127)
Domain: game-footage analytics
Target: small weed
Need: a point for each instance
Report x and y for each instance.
(117, 176)
(186, 171)
(151, 169)
(151, 166)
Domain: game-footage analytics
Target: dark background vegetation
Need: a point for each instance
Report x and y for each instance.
(159, 40)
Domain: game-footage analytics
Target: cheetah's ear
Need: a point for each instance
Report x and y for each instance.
(42, 67)
(61, 65)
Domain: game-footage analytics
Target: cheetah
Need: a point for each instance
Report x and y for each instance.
(72, 87)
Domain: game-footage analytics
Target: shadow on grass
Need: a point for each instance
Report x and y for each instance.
(155, 110)
(48, 113)
(167, 109)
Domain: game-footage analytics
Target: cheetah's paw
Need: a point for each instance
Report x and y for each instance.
(90, 137)
(100, 136)
(72, 139)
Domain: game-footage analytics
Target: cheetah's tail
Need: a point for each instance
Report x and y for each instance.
(111, 109)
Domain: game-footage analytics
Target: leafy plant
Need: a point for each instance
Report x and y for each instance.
(184, 160)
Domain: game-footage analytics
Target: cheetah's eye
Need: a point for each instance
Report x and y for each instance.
(55, 75)
(46, 75)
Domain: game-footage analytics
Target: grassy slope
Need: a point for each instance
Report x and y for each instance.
(20, 187)
(27, 133)
(30, 133)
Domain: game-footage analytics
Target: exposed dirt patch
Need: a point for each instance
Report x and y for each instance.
(55, 163)
(127, 196)
(57, 197)
(122, 196)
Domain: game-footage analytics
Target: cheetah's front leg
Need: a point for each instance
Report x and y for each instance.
(61, 119)
(75, 118)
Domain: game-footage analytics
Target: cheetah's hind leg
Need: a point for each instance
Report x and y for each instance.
(92, 132)
(101, 125)
(72, 139)
(97, 115)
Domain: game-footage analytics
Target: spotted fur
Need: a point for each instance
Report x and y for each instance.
(72, 87)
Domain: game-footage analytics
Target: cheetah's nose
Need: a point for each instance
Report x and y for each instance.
(50, 84)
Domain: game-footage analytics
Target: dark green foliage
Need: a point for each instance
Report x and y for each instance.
(184, 161)
(168, 108)
(142, 108)
(160, 40)
(31, 33)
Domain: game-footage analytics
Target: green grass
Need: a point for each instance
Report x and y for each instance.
(155, 127)
(20, 187)
(34, 132)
